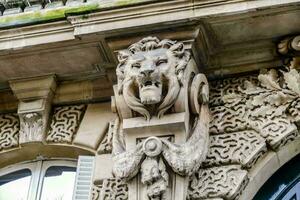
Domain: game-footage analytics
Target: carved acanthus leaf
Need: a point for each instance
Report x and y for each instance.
(269, 105)
(32, 126)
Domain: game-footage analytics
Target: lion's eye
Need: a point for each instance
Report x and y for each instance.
(161, 61)
(136, 65)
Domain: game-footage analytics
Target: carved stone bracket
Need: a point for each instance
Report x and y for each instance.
(161, 135)
(35, 96)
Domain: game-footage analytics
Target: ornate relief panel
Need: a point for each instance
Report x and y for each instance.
(110, 189)
(243, 147)
(9, 131)
(225, 182)
(64, 123)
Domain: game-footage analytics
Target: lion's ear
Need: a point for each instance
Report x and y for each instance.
(120, 76)
(123, 55)
(178, 48)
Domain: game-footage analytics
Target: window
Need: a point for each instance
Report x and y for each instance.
(40, 180)
(284, 184)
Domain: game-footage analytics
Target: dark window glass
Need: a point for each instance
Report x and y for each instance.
(283, 184)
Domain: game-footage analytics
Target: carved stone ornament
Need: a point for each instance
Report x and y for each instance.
(35, 95)
(9, 131)
(31, 127)
(162, 103)
(64, 123)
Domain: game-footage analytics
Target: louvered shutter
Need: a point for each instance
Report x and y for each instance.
(84, 175)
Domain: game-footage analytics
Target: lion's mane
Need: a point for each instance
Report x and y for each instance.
(174, 80)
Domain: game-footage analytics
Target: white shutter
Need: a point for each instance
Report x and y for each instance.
(84, 175)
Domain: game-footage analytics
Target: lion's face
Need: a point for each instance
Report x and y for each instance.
(150, 71)
(149, 74)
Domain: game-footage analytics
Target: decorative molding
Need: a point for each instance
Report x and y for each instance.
(110, 189)
(159, 93)
(9, 131)
(64, 123)
(218, 182)
(244, 147)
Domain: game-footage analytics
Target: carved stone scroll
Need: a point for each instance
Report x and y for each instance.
(9, 131)
(162, 102)
(218, 182)
(64, 123)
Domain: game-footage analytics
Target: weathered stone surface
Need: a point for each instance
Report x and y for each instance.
(9, 131)
(64, 123)
(218, 182)
(244, 147)
(94, 125)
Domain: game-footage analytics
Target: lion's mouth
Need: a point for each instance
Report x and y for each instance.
(149, 84)
(150, 91)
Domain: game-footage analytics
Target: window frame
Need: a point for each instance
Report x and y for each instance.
(38, 170)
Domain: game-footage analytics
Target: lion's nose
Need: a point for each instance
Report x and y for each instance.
(147, 72)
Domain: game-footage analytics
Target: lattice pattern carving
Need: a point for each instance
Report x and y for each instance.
(65, 122)
(110, 189)
(223, 87)
(243, 147)
(106, 144)
(9, 131)
(226, 120)
(224, 182)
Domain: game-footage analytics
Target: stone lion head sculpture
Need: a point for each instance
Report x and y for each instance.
(150, 74)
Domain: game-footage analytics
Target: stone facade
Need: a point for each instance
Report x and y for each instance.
(175, 100)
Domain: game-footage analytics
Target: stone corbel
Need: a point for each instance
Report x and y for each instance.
(35, 96)
(161, 135)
